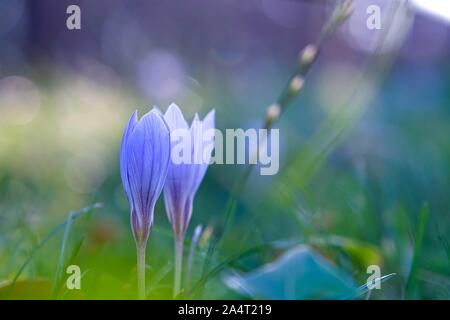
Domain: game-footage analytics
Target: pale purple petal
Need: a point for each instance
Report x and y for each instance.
(123, 155)
(174, 118)
(183, 179)
(146, 153)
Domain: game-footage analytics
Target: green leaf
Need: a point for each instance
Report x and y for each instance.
(361, 253)
(300, 273)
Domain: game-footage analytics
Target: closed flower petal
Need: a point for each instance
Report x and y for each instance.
(144, 162)
(183, 179)
(123, 155)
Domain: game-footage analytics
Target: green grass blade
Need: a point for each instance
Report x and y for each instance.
(59, 267)
(365, 288)
(50, 235)
(410, 284)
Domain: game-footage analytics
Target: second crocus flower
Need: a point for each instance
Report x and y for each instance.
(184, 178)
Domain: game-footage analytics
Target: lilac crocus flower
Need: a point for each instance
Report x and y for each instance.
(144, 162)
(183, 179)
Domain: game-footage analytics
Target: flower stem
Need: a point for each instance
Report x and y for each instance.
(140, 249)
(178, 265)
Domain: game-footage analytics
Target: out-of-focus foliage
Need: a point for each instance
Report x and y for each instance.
(354, 199)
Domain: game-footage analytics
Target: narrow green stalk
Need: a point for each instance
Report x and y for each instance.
(178, 265)
(59, 268)
(292, 89)
(420, 234)
(140, 250)
(299, 170)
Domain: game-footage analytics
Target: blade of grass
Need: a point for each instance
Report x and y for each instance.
(81, 277)
(49, 236)
(411, 282)
(60, 280)
(365, 288)
(445, 245)
(60, 264)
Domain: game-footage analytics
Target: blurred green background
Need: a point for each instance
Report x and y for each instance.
(365, 150)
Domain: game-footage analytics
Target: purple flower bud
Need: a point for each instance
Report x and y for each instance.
(144, 162)
(183, 179)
